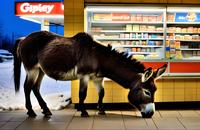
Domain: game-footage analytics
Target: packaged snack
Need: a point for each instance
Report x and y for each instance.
(158, 43)
(171, 29)
(177, 45)
(138, 49)
(151, 28)
(144, 43)
(126, 35)
(195, 30)
(154, 18)
(138, 57)
(187, 37)
(172, 50)
(151, 43)
(128, 27)
(136, 27)
(195, 37)
(133, 49)
(139, 17)
(133, 35)
(159, 18)
(178, 54)
(145, 18)
(133, 42)
(190, 29)
(145, 35)
(184, 30)
(143, 50)
(178, 29)
(167, 49)
(159, 29)
(154, 36)
(170, 17)
(133, 17)
(178, 37)
(121, 35)
(143, 27)
(150, 19)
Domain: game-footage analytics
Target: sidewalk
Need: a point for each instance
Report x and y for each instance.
(69, 119)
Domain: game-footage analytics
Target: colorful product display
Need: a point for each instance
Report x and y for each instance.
(127, 17)
(145, 36)
(184, 28)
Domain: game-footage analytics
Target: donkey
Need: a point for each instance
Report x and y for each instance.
(81, 57)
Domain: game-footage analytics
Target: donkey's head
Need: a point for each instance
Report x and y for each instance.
(142, 92)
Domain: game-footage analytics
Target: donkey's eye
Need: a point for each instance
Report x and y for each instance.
(146, 92)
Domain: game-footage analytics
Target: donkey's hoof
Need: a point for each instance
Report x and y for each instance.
(47, 113)
(101, 113)
(31, 114)
(84, 114)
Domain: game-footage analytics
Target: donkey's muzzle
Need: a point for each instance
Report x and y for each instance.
(148, 110)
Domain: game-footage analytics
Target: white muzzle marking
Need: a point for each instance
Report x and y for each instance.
(148, 108)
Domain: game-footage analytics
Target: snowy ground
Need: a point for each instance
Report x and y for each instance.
(54, 92)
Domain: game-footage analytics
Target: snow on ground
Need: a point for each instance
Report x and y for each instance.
(54, 92)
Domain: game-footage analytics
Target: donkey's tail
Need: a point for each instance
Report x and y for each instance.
(17, 65)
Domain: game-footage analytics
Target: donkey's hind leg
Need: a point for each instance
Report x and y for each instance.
(82, 95)
(36, 91)
(99, 86)
(31, 78)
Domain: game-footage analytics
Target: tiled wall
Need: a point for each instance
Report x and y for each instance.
(168, 90)
(73, 17)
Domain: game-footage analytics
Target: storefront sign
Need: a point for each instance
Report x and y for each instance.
(43, 8)
(187, 17)
(121, 17)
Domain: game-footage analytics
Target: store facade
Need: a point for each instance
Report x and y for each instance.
(160, 32)
(46, 13)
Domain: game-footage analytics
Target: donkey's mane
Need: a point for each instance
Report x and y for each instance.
(124, 58)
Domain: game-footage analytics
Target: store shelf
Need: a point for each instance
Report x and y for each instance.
(142, 46)
(181, 75)
(190, 49)
(124, 31)
(184, 40)
(184, 23)
(192, 58)
(125, 39)
(143, 53)
(124, 22)
(188, 40)
(184, 33)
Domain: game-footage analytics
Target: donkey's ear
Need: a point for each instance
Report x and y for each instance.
(160, 71)
(147, 74)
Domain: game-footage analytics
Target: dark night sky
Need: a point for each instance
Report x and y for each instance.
(12, 26)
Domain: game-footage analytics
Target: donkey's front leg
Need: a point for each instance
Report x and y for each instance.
(99, 86)
(82, 95)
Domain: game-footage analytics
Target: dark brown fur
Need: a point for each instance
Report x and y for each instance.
(78, 57)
